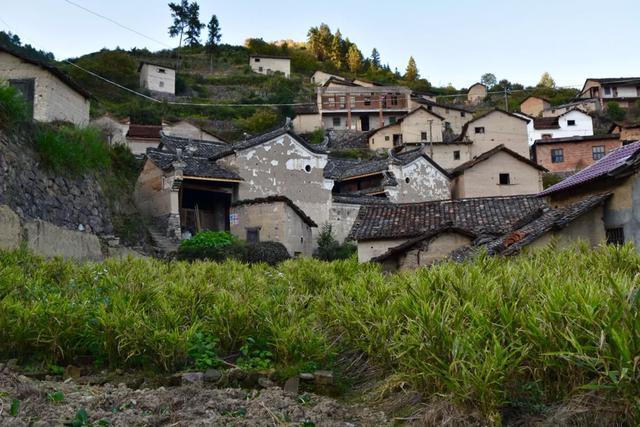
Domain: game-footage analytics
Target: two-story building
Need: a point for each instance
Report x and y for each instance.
(270, 64)
(623, 90)
(570, 154)
(569, 124)
(157, 78)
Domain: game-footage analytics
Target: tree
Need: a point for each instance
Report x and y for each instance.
(488, 79)
(214, 33)
(354, 59)
(615, 112)
(412, 70)
(186, 22)
(335, 52)
(375, 58)
(546, 81)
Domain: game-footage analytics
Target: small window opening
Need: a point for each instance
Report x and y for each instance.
(505, 179)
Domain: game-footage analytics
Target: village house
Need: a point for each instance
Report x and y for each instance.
(270, 64)
(496, 127)
(50, 94)
(476, 93)
(141, 137)
(158, 79)
(455, 117)
(497, 172)
(615, 174)
(568, 124)
(568, 155)
(623, 90)
(587, 105)
(533, 106)
(629, 132)
(420, 126)
(409, 236)
(113, 129)
(187, 129)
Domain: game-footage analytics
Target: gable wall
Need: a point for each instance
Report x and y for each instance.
(588, 228)
(53, 99)
(442, 154)
(534, 106)
(185, 129)
(151, 78)
(426, 183)
(499, 128)
(432, 250)
(418, 122)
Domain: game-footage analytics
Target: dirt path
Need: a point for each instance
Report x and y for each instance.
(24, 401)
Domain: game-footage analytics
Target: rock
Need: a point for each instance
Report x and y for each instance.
(71, 372)
(305, 376)
(12, 364)
(11, 230)
(265, 382)
(323, 377)
(192, 378)
(291, 386)
(212, 376)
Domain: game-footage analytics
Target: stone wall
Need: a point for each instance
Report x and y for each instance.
(34, 193)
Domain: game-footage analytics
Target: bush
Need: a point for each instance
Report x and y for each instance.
(549, 179)
(262, 120)
(13, 109)
(211, 245)
(271, 253)
(317, 136)
(329, 249)
(69, 150)
(615, 112)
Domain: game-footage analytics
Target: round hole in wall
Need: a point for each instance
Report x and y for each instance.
(407, 179)
(307, 168)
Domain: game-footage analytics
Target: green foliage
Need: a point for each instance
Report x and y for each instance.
(329, 249)
(546, 81)
(56, 369)
(213, 246)
(271, 253)
(209, 239)
(254, 355)
(69, 150)
(81, 419)
(13, 42)
(56, 396)
(14, 409)
(615, 112)
(261, 121)
(215, 33)
(317, 136)
(489, 80)
(202, 350)
(13, 109)
(411, 74)
(186, 22)
(549, 179)
(491, 334)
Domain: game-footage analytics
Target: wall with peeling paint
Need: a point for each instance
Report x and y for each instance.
(418, 181)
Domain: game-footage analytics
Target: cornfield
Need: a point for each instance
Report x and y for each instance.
(492, 333)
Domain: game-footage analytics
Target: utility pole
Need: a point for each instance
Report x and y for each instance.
(506, 101)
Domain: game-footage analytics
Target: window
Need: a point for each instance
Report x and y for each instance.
(161, 84)
(607, 90)
(386, 137)
(407, 180)
(341, 101)
(479, 129)
(597, 152)
(337, 122)
(429, 107)
(307, 168)
(162, 70)
(353, 101)
(504, 178)
(253, 235)
(456, 155)
(447, 125)
(571, 122)
(394, 99)
(392, 120)
(462, 114)
(332, 102)
(557, 155)
(367, 100)
(256, 59)
(423, 136)
(615, 236)
(260, 69)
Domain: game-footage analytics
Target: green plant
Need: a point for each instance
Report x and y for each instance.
(209, 239)
(56, 369)
(615, 112)
(549, 179)
(56, 396)
(253, 355)
(202, 350)
(13, 109)
(14, 409)
(271, 253)
(81, 419)
(329, 249)
(317, 136)
(213, 246)
(261, 121)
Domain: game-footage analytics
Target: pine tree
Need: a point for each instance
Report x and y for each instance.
(336, 50)
(412, 70)
(194, 26)
(214, 33)
(375, 58)
(354, 59)
(546, 81)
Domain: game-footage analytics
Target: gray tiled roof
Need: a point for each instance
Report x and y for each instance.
(488, 215)
(195, 166)
(194, 147)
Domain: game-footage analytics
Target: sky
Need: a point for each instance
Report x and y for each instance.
(452, 42)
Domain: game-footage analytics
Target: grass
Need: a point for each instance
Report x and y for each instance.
(13, 110)
(526, 332)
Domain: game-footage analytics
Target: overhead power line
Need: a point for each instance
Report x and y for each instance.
(113, 21)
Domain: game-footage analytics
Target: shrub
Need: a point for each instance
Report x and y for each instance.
(549, 179)
(271, 253)
(261, 121)
(69, 150)
(13, 109)
(317, 136)
(615, 112)
(211, 245)
(329, 249)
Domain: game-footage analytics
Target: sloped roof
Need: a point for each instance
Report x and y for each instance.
(193, 147)
(144, 131)
(200, 167)
(488, 154)
(351, 199)
(142, 63)
(487, 215)
(400, 119)
(546, 123)
(274, 199)
(426, 102)
(61, 75)
(611, 80)
(617, 164)
(495, 110)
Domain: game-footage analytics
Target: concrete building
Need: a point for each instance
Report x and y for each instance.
(498, 225)
(587, 105)
(157, 78)
(420, 126)
(50, 94)
(568, 155)
(498, 172)
(476, 93)
(623, 90)
(269, 64)
(617, 175)
(496, 127)
(568, 124)
(534, 106)
(455, 117)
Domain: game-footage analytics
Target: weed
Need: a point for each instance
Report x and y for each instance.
(202, 351)
(56, 396)
(56, 369)
(81, 419)
(14, 409)
(254, 356)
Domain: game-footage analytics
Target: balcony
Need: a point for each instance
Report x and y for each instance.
(364, 99)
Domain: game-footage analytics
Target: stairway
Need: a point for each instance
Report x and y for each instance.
(163, 246)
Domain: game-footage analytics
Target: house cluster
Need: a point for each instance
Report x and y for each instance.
(441, 181)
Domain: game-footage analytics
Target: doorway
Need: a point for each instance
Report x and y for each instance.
(364, 123)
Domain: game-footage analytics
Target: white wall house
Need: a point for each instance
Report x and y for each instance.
(268, 64)
(157, 78)
(571, 123)
(50, 94)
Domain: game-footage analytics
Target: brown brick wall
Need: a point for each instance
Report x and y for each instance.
(577, 155)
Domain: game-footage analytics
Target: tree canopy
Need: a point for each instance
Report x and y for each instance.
(412, 73)
(214, 33)
(186, 22)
